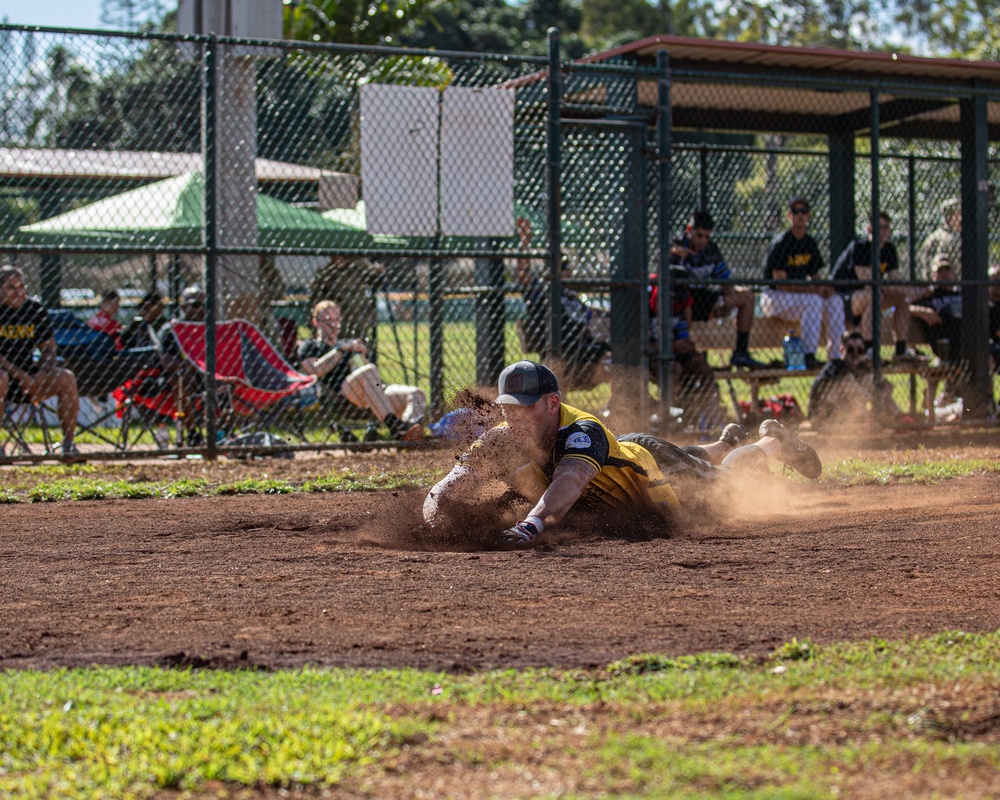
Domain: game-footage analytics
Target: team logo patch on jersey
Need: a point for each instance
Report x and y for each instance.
(578, 441)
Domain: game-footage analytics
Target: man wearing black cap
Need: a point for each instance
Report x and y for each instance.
(561, 458)
(795, 256)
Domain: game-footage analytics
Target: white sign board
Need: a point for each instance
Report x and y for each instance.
(477, 162)
(399, 136)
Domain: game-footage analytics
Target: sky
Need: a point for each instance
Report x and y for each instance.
(56, 13)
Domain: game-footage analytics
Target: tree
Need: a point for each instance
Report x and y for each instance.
(132, 15)
(349, 23)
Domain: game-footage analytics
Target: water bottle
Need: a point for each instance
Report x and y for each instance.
(795, 358)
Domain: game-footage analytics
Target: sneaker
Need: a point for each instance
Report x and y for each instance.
(742, 359)
(195, 438)
(371, 433)
(794, 452)
(70, 452)
(346, 435)
(910, 356)
(734, 435)
(812, 362)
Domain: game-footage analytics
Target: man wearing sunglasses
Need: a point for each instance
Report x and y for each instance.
(844, 394)
(795, 256)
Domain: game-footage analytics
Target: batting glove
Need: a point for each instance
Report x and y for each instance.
(523, 533)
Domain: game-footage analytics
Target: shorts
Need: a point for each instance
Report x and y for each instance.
(705, 302)
(671, 459)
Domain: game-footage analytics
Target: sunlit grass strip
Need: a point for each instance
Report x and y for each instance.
(84, 487)
(375, 481)
(805, 722)
(861, 471)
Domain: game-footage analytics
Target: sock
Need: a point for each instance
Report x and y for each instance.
(742, 341)
(900, 348)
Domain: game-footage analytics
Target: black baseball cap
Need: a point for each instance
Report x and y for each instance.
(524, 382)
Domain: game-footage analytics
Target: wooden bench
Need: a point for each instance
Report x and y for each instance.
(717, 337)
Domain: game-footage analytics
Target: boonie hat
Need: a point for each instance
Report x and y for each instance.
(193, 294)
(524, 382)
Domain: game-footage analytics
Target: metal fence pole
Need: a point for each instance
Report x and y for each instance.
(211, 140)
(665, 298)
(911, 213)
(873, 215)
(554, 176)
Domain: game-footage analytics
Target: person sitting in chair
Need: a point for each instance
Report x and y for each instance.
(141, 331)
(185, 381)
(25, 327)
(344, 371)
(106, 319)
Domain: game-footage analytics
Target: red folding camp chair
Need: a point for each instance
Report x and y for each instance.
(257, 381)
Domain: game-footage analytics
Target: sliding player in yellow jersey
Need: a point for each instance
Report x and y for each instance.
(563, 459)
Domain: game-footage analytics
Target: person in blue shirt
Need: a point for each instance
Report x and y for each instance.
(701, 260)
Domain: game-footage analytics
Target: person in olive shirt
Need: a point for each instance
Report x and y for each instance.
(25, 327)
(795, 256)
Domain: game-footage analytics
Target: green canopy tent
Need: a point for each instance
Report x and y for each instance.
(170, 213)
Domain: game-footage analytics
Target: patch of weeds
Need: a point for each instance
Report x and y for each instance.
(188, 487)
(255, 486)
(859, 471)
(49, 492)
(373, 482)
(137, 491)
(90, 490)
(795, 650)
(7, 497)
(646, 663)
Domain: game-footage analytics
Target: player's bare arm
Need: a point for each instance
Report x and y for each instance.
(568, 482)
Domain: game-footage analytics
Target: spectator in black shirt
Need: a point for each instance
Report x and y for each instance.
(795, 256)
(25, 327)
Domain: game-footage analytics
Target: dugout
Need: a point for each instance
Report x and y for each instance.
(703, 95)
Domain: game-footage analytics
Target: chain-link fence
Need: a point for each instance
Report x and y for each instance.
(364, 232)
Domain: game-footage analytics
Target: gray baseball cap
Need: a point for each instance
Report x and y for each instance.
(524, 382)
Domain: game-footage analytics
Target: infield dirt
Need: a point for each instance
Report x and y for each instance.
(335, 579)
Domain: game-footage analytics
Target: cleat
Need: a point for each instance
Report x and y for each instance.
(742, 359)
(734, 435)
(794, 452)
(812, 362)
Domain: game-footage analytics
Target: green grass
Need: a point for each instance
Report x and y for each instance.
(807, 722)
(49, 484)
(54, 483)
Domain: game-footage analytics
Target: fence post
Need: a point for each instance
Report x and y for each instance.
(665, 297)
(554, 175)
(911, 213)
(211, 242)
(974, 138)
(876, 243)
